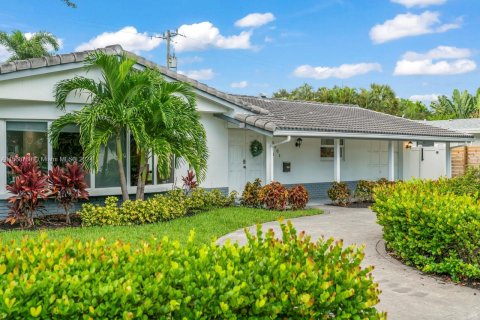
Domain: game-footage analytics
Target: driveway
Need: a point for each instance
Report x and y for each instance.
(406, 293)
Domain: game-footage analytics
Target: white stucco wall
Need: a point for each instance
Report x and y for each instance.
(31, 98)
(364, 159)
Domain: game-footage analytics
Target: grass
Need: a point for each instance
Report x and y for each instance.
(214, 223)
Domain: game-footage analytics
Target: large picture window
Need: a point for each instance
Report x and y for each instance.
(28, 137)
(107, 174)
(327, 149)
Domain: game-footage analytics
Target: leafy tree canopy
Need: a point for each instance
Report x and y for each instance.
(22, 47)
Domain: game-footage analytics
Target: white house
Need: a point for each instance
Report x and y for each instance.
(303, 142)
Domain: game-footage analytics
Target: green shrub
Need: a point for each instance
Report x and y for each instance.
(274, 196)
(430, 227)
(298, 197)
(251, 194)
(364, 190)
(174, 204)
(339, 193)
(292, 278)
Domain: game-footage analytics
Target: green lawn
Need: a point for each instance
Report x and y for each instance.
(214, 223)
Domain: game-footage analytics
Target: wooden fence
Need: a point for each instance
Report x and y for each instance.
(464, 157)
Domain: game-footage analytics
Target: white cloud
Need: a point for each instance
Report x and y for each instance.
(204, 35)
(425, 97)
(344, 71)
(202, 74)
(268, 39)
(429, 67)
(440, 52)
(241, 84)
(254, 20)
(4, 54)
(442, 60)
(128, 37)
(408, 25)
(419, 3)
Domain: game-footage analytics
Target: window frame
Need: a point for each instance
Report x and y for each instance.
(93, 190)
(325, 145)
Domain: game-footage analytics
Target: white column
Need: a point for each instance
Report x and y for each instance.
(269, 159)
(391, 161)
(448, 160)
(336, 161)
(3, 155)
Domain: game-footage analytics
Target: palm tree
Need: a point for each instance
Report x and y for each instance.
(462, 105)
(110, 110)
(38, 45)
(173, 129)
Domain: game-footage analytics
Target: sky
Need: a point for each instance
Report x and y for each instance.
(421, 48)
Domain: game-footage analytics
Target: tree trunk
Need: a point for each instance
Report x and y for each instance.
(140, 182)
(121, 170)
(144, 176)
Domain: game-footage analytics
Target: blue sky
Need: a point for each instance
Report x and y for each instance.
(419, 47)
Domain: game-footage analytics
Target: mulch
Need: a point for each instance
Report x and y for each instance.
(51, 221)
(474, 284)
(360, 205)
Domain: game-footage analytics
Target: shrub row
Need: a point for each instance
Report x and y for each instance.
(174, 204)
(274, 196)
(430, 227)
(292, 278)
(340, 193)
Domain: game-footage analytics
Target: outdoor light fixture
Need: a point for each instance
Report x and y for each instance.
(298, 143)
(409, 145)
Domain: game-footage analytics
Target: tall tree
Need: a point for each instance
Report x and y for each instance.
(173, 129)
(462, 105)
(110, 110)
(38, 45)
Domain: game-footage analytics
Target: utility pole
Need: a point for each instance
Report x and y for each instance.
(168, 37)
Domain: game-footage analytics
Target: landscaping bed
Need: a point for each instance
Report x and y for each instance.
(50, 221)
(433, 226)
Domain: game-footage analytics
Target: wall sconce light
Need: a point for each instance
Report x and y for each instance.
(409, 145)
(298, 143)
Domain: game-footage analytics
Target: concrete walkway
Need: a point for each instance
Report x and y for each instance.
(406, 293)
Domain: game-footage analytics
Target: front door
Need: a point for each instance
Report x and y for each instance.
(242, 165)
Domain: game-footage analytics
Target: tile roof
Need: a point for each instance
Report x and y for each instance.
(271, 114)
(462, 125)
(288, 115)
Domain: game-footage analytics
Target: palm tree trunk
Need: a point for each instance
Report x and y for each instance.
(140, 181)
(121, 170)
(144, 176)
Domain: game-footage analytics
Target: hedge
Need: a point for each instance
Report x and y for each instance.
(162, 207)
(265, 279)
(430, 227)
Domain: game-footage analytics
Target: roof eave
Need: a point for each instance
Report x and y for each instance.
(372, 136)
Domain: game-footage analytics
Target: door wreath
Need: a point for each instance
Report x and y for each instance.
(256, 148)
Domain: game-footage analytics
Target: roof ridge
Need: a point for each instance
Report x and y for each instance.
(299, 101)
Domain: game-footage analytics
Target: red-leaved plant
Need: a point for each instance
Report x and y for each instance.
(298, 197)
(189, 181)
(68, 186)
(29, 189)
(274, 196)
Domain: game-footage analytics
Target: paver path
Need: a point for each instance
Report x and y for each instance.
(406, 293)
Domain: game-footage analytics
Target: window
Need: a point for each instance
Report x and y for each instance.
(69, 148)
(166, 179)
(327, 149)
(28, 137)
(107, 174)
(134, 165)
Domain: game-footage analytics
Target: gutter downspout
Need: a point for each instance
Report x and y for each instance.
(289, 138)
